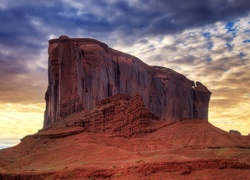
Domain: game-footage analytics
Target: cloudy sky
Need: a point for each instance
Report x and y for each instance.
(206, 40)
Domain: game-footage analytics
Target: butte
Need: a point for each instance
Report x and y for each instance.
(104, 88)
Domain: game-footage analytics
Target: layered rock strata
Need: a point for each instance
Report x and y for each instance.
(119, 115)
(83, 71)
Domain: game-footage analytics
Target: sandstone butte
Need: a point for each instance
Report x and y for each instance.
(110, 116)
(82, 72)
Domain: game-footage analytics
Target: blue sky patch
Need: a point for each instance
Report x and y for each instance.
(246, 41)
(242, 54)
(231, 28)
(207, 36)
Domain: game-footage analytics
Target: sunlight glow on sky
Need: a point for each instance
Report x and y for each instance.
(18, 120)
(207, 41)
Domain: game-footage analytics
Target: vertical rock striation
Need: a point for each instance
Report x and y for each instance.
(84, 71)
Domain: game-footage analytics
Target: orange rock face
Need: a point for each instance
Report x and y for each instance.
(82, 72)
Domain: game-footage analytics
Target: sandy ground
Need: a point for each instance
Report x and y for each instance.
(184, 150)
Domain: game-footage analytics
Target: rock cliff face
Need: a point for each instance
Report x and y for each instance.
(82, 72)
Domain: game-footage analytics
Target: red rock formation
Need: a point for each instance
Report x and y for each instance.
(85, 71)
(119, 115)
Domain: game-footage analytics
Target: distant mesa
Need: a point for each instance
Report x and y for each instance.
(83, 72)
(235, 132)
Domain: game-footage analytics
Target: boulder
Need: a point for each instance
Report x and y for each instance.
(235, 132)
(82, 72)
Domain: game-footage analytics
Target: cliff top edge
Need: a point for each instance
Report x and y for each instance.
(82, 40)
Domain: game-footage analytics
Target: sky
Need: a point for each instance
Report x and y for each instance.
(206, 40)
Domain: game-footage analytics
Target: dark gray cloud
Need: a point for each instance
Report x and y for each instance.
(131, 18)
(170, 16)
